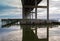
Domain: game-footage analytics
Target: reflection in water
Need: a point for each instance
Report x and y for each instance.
(29, 35)
(54, 33)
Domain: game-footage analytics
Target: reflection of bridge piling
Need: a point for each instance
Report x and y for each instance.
(28, 34)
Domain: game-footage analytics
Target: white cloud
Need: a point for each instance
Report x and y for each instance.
(54, 7)
(11, 13)
(16, 3)
(43, 3)
(55, 0)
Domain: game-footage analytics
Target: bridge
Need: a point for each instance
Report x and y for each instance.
(28, 6)
(9, 22)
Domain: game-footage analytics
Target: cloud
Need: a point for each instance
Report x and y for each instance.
(10, 9)
(11, 13)
(43, 3)
(54, 10)
(15, 3)
(3, 7)
(42, 13)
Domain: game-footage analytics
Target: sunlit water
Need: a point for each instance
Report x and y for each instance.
(15, 33)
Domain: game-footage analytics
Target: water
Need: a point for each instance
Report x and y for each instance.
(54, 34)
(13, 33)
(27, 33)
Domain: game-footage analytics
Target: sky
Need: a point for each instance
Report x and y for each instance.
(13, 9)
(10, 9)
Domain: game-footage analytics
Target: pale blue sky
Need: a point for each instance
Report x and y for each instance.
(10, 9)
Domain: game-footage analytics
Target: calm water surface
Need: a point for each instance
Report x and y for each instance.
(28, 33)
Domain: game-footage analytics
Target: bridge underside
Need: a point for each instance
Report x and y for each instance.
(26, 9)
